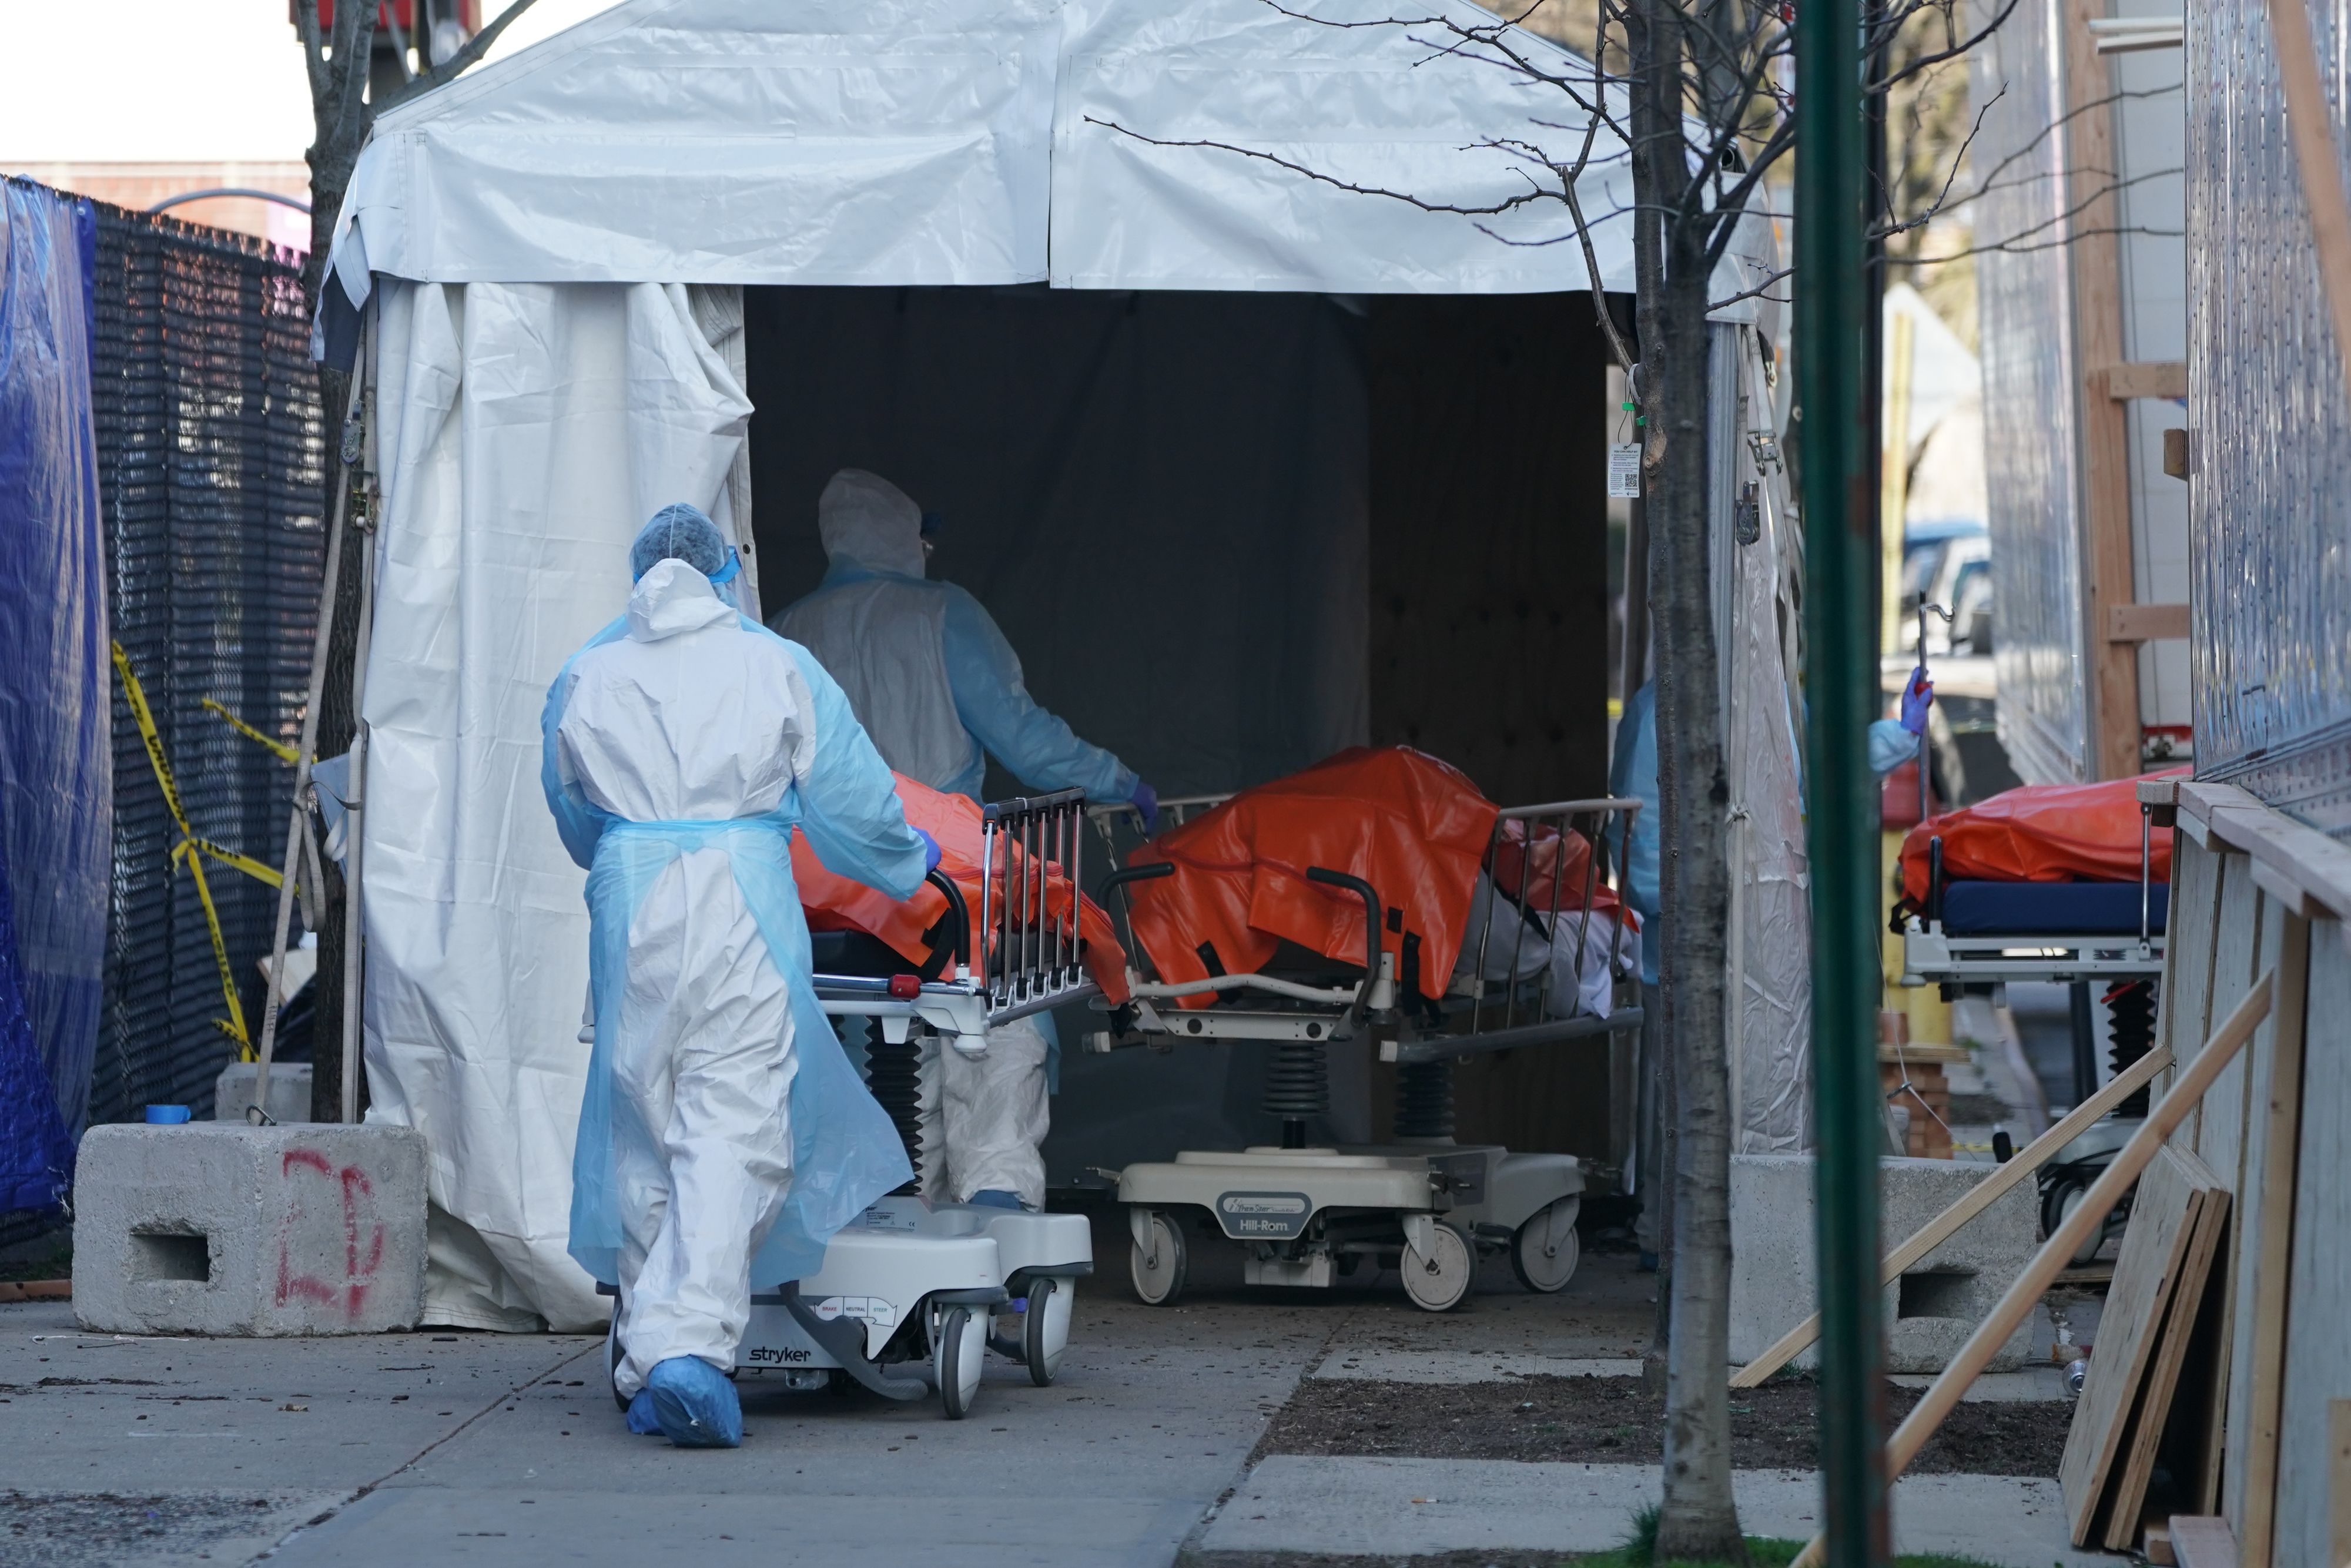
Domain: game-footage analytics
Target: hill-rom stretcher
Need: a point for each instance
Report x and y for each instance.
(1377, 902)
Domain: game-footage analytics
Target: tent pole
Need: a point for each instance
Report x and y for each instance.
(354, 830)
(1834, 302)
(259, 1112)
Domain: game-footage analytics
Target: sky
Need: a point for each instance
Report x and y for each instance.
(175, 80)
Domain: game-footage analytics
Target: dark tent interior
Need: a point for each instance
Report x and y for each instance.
(1230, 534)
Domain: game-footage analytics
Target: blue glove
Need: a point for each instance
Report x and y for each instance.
(930, 849)
(1146, 800)
(1916, 697)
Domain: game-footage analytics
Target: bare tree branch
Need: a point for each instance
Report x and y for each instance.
(474, 48)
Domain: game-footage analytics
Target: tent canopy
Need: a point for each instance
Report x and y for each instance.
(898, 142)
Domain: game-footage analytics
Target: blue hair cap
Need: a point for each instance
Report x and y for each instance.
(679, 532)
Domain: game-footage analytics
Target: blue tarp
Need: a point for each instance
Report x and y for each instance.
(55, 765)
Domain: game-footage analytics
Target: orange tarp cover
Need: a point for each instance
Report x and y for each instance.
(1412, 827)
(2040, 833)
(835, 902)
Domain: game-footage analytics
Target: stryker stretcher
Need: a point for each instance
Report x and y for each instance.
(1421, 1203)
(905, 1298)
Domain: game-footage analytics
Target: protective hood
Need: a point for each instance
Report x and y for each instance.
(674, 598)
(864, 518)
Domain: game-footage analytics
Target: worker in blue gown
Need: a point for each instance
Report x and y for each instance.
(724, 1136)
(939, 688)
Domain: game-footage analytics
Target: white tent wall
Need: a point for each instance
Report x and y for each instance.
(1770, 1006)
(523, 433)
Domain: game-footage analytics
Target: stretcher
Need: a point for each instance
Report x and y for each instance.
(907, 1293)
(2007, 918)
(1539, 907)
(2004, 918)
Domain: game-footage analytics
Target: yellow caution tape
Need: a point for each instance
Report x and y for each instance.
(234, 1025)
(230, 858)
(285, 753)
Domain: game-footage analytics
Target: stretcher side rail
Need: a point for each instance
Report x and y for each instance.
(1032, 956)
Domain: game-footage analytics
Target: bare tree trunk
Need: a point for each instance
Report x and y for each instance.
(1700, 1517)
(337, 726)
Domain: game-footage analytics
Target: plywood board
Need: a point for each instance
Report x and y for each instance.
(2190, 1299)
(2202, 1541)
(2273, 1141)
(2244, 1143)
(2219, 1120)
(2317, 1349)
(2163, 1222)
(2193, 927)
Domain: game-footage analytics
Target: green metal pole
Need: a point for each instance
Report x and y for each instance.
(1841, 595)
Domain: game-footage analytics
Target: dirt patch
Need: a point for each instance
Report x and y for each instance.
(1616, 1420)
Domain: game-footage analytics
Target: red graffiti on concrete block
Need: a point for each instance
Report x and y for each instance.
(361, 1260)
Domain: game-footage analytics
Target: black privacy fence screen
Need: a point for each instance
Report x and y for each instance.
(211, 451)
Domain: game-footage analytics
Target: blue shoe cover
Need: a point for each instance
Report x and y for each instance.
(695, 1403)
(997, 1197)
(642, 1422)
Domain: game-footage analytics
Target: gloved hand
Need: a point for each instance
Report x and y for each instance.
(1146, 800)
(930, 849)
(1916, 697)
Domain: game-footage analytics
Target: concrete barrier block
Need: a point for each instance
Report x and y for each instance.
(289, 1090)
(1930, 1311)
(216, 1227)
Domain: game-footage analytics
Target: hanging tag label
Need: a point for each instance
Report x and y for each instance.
(1624, 470)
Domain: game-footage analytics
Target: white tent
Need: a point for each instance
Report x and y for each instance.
(551, 254)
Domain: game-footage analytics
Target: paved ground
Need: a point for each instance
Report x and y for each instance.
(490, 1448)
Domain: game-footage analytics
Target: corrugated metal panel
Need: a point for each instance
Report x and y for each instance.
(211, 451)
(2025, 303)
(2270, 535)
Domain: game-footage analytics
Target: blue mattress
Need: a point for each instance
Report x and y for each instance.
(2050, 908)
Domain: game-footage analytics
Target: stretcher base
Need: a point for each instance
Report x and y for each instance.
(1310, 1217)
(1932, 955)
(897, 1278)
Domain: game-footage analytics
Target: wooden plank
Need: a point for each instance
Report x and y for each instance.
(2219, 1123)
(2270, 1232)
(2115, 740)
(2163, 1223)
(2318, 1351)
(2319, 864)
(2338, 1480)
(2311, 125)
(2148, 378)
(2146, 622)
(2202, 1541)
(2018, 1302)
(2177, 1329)
(2257, 1302)
(1974, 1201)
(2193, 927)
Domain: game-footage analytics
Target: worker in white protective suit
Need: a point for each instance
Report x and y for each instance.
(724, 1136)
(940, 690)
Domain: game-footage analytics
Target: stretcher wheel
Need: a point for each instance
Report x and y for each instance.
(1546, 1249)
(2058, 1206)
(1437, 1284)
(1045, 1327)
(956, 1356)
(1159, 1274)
(614, 1353)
